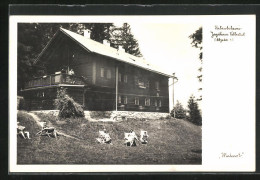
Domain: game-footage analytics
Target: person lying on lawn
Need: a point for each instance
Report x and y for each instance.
(21, 131)
(104, 137)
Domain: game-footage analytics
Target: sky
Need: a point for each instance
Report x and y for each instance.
(168, 46)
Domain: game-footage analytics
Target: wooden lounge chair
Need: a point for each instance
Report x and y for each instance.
(21, 132)
(49, 131)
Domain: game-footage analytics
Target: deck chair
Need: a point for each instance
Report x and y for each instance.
(104, 138)
(144, 137)
(21, 132)
(101, 135)
(130, 139)
(49, 131)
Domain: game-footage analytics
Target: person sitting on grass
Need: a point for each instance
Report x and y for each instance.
(22, 132)
(104, 137)
(144, 137)
(130, 138)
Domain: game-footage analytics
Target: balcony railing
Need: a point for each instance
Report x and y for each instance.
(54, 79)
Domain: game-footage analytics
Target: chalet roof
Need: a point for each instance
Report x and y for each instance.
(99, 48)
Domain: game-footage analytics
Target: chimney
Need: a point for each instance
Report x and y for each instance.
(120, 48)
(106, 42)
(87, 33)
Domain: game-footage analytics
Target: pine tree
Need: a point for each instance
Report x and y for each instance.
(179, 111)
(122, 36)
(194, 112)
(197, 43)
(99, 31)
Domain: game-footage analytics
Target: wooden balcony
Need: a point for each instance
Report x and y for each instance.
(54, 79)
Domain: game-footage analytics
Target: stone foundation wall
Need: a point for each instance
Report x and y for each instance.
(125, 115)
(115, 115)
(140, 115)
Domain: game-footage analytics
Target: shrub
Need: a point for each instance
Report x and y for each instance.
(194, 112)
(67, 106)
(180, 112)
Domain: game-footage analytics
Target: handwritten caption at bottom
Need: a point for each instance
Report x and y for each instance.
(231, 155)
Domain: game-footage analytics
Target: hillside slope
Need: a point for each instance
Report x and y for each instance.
(171, 141)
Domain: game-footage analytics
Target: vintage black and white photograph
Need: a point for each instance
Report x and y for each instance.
(109, 93)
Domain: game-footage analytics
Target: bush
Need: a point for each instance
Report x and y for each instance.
(194, 112)
(180, 112)
(67, 106)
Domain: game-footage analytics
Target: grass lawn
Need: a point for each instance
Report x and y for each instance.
(171, 141)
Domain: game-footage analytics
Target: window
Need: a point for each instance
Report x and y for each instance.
(141, 83)
(119, 77)
(125, 99)
(136, 101)
(147, 101)
(147, 84)
(108, 74)
(157, 85)
(102, 72)
(160, 103)
(125, 78)
(119, 99)
(136, 80)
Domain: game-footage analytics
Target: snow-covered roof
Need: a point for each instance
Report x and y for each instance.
(99, 48)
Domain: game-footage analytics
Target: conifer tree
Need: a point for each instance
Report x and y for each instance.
(196, 38)
(179, 111)
(194, 112)
(122, 36)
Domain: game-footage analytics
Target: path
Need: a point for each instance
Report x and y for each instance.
(38, 120)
